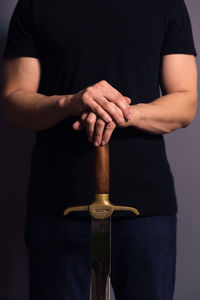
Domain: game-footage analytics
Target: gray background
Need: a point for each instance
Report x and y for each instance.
(183, 149)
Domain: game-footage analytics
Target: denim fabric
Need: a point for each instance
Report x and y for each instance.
(143, 257)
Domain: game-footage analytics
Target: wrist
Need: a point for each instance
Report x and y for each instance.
(64, 104)
(136, 115)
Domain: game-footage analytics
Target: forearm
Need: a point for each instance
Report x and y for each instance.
(34, 111)
(165, 114)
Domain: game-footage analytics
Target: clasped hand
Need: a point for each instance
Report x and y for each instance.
(101, 108)
(98, 131)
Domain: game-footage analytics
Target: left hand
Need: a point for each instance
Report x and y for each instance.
(97, 129)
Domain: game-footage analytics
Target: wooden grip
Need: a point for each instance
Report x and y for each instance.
(101, 169)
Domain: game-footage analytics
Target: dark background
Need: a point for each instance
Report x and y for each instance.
(183, 150)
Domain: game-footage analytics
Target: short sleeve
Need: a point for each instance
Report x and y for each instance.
(179, 37)
(20, 39)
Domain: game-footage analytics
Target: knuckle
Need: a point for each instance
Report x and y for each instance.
(117, 98)
(89, 89)
(102, 83)
(110, 126)
(107, 104)
(85, 97)
(90, 121)
(110, 106)
(119, 95)
(95, 107)
(97, 135)
(118, 113)
(99, 123)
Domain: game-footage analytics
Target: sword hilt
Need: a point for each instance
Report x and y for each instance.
(101, 207)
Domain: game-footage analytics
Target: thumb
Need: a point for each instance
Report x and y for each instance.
(78, 125)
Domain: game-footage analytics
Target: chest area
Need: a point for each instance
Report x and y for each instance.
(75, 25)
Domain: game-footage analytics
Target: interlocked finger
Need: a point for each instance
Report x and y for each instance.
(98, 132)
(90, 121)
(109, 128)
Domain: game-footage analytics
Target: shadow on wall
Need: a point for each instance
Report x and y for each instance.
(15, 153)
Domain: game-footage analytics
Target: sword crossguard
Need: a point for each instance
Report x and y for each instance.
(101, 208)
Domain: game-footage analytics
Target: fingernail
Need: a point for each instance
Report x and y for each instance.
(108, 119)
(120, 119)
(103, 142)
(96, 144)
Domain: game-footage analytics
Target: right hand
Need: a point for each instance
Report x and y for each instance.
(102, 99)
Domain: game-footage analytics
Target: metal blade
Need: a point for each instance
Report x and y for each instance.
(100, 258)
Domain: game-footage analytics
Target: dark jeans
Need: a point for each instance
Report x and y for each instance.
(143, 257)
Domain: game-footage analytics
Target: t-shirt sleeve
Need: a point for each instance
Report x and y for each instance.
(179, 37)
(20, 39)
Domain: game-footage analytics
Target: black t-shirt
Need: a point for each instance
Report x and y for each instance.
(78, 44)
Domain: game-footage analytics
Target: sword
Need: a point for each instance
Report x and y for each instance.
(101, 210)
